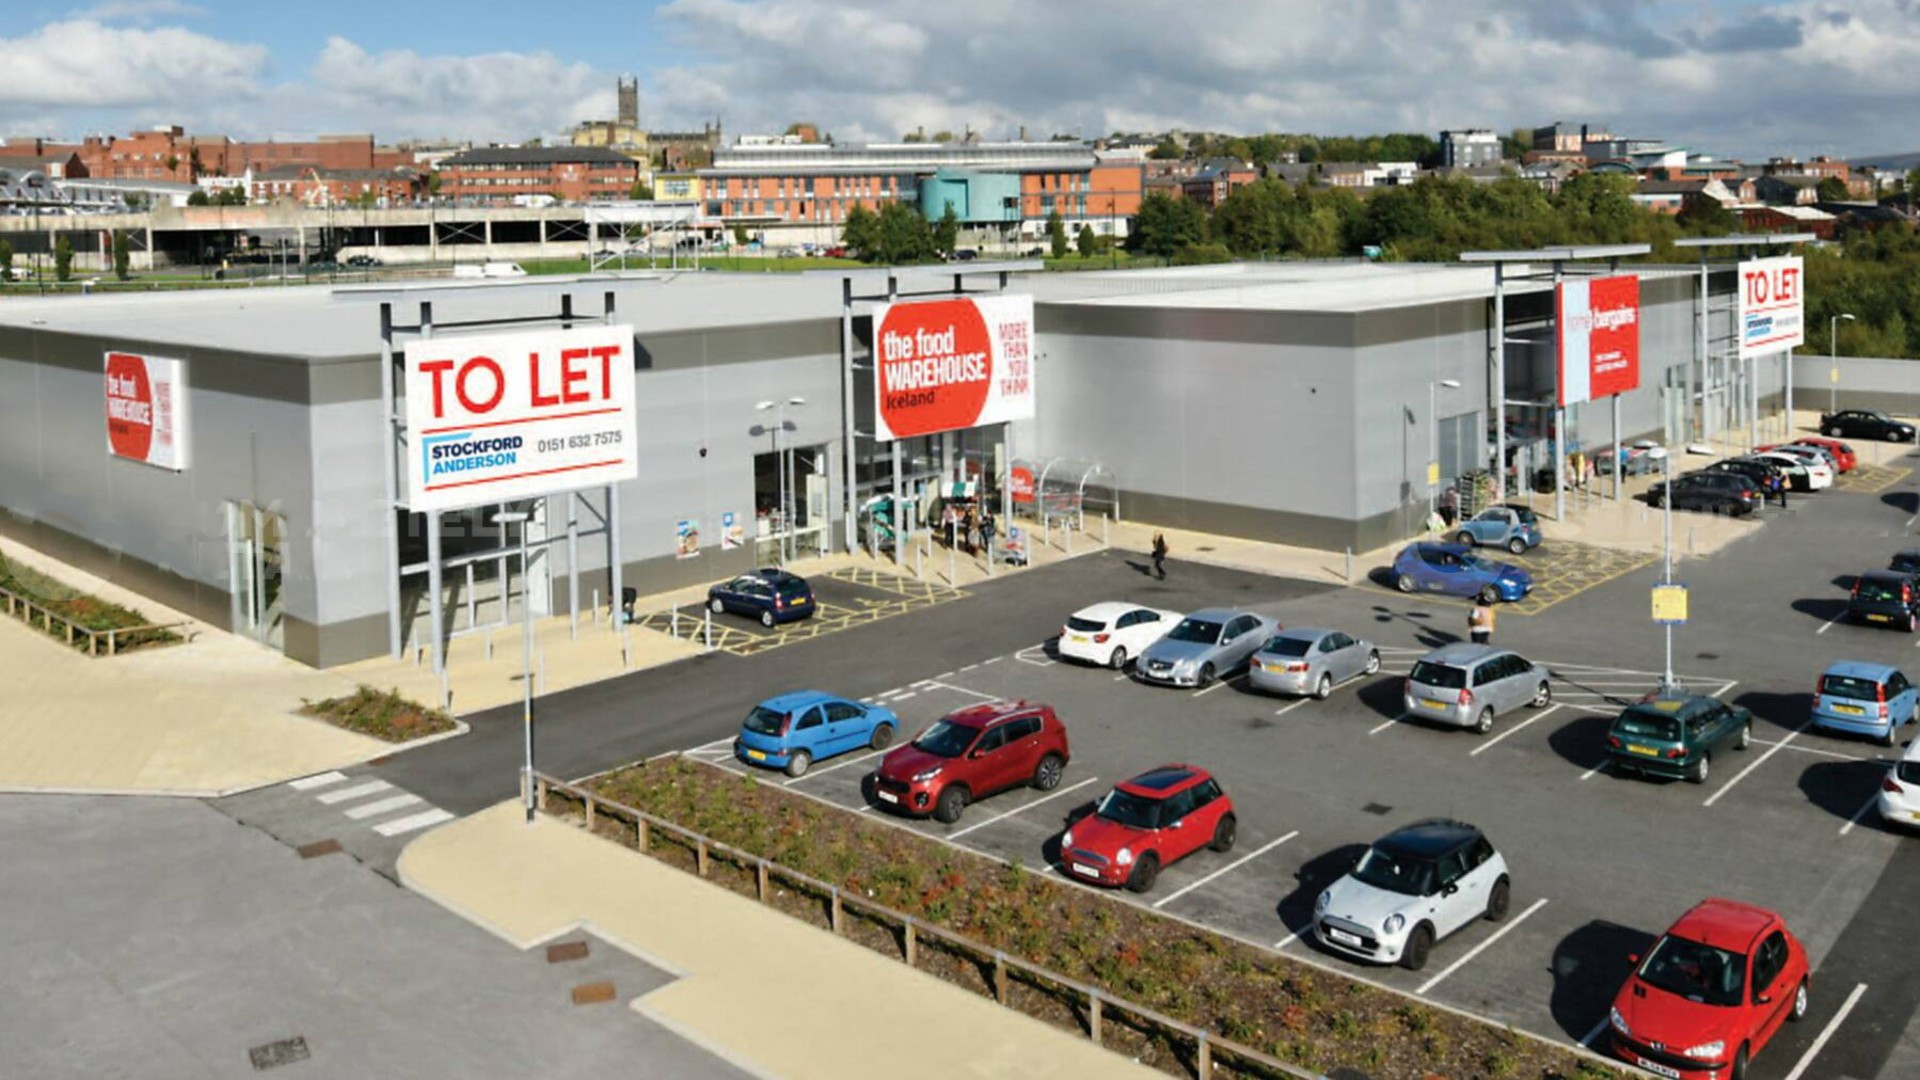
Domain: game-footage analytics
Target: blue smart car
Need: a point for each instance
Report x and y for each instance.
(795, 730)
(1515, 528)
(1865, 699)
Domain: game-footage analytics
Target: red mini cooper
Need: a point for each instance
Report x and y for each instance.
(1152, 820)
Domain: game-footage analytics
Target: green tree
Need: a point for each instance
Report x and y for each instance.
(199, 198)
(1831, 189)
(1167, 150)
(1199, 254)
(122, 255)
(1165, 224)
(740, 238)
(943, 136)
(63, 259)
(905, 236)
(1057, 234)
(946, 234)
(6, 262)
(1707, 217)
(860, 235)
(641, 190)
(433, 183)
(1088, 243)
(231, 196)
(1912, 182)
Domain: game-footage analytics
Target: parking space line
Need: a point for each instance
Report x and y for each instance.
(1817, 750)
(1389, 724)
(811, 773)
(1263, 849)
(1761, 760)
(1285, 709)
(1602, 767)
(1828, 625)
(1860, 813)
(1215, 686)
(1826, 1033)
(957, 833)
(1123, 675)
(1595, 1033)
(969, 667)
(1482, 947)
(903, 697)
(964, 690)
(1286, 941)
(993, 660)
(1521, 726)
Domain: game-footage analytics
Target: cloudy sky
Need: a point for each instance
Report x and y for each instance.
(1729, 77)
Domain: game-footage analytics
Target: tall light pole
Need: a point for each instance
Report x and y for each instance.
(1833, 360)
(780, 466)
(519, 517)
(1433, 437)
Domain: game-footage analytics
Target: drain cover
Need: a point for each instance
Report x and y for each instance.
(1376, 808)
(317, 848)
(276, 1054)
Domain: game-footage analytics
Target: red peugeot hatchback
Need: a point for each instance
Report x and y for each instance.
(971, 754)
(1153, 820)
(1711, 993)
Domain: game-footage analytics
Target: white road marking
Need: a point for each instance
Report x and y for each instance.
(381, 806)
(1482, 947)
(310, 782)
(1602, 767)
(924, 683)
(1826, 1033)
(717, 742)
(1288, 940)
(993, 660)
(1521, 726)
(902, 697)
(1121, 676)
(1828, 625)
(354, 792)
(811, 773)
(408, 824)
(1285, 709)
(964, 690)
(1263, 849)
(1724, 689)
(957, 833)
(1215, 686)
(1389, 723)
(1761, 760)
(1818, 750)
(969, 667)
(944, 675)
(1858, 814)
(1595, 1033)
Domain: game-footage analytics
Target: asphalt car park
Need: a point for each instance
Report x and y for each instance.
(1600, 864)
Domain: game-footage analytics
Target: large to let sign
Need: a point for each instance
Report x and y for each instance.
(511, 416)
(946, 365)
(1772, 305)
(147, 409)
(1598, 321)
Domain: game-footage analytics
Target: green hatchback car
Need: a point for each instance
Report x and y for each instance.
(1676, 735)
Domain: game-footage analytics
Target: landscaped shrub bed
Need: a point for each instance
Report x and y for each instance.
(81, 609)
(383, 714)
(1312, 1018)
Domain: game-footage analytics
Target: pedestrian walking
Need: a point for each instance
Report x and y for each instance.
(986, 531)
(1160, 556)
(1450, 506)
(1480, 623)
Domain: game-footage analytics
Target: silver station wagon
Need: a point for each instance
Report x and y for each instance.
(1468, 685)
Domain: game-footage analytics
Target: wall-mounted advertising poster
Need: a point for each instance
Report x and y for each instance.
(1598, 337)
(947, 365)
(147, 409)
(686, 538)
(732, 534)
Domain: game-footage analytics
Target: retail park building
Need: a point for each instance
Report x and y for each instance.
(1298, 403)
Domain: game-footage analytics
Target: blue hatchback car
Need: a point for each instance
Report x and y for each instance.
(1515, 528)
(771, 595)
(795, 730)
(1865, 699)
(1455, 570)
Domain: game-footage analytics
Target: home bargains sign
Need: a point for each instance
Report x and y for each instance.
(1772, 305)
(1599, 337)
(147, 409)
(946, 365)
(498, 417)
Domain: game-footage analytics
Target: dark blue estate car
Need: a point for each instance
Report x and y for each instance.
(770, 595)
(1455, 570)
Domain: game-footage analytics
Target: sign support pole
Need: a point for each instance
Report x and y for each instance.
(849, 499)
(435, 580)
(390, 442)
(1618, 468)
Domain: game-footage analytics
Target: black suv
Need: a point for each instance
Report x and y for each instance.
(1906, 562)
(1769, 478)
(1886, 598)
(1721, 493)
(1864, 424)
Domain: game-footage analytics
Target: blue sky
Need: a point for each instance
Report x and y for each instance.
(1730, 77)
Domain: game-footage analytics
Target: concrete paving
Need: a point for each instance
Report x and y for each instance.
(762, 989)
(149, 939)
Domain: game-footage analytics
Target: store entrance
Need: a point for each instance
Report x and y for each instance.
(256, 557)
(791, 518)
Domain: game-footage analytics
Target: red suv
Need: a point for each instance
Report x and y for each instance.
(1711, 992)
(1152, 820)
(970, 755)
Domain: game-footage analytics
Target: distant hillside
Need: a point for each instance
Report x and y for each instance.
(1902, 162)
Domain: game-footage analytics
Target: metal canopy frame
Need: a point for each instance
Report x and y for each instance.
(393, 339)
(883, 285)
(1558, 257)
(1744, 243)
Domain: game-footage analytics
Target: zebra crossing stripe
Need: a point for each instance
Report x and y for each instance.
(408, 824)
(354, 792)
(308, 783)
(381, 806)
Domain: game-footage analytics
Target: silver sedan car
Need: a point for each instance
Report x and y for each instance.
(1304, 660)
(1206, 645)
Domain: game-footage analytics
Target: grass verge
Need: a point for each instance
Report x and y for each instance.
(383, 714)
(82, 609)
(1297, 1013)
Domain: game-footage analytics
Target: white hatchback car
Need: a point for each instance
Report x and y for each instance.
(1412, 888)
(1899, 801)
(1819, 474)
(1113, 633)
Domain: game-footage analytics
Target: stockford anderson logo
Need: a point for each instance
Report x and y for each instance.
(444, 456)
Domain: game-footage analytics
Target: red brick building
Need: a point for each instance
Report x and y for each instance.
(566, 173)
(311, 185)
(1217, 179)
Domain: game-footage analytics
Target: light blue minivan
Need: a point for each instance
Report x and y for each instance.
(1865, 699)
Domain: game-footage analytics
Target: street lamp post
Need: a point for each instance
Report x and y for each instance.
(519, 517)
(1833, 360)
(1433, 437)
(780, 467)
(1666, 574)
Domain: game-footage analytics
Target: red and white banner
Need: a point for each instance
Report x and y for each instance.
(497, 417)
(947, 365)
(147, 409)
(1772, 305)
(1598, 339)
(1020, 484)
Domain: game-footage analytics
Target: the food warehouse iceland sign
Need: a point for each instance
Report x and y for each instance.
(946, 365)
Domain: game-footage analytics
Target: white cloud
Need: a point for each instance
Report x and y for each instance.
(142, 11)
